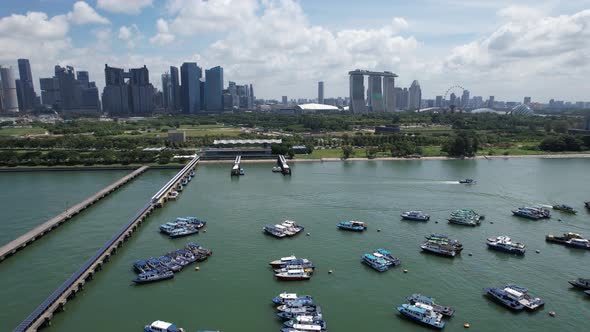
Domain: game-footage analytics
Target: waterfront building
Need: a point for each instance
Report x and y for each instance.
(357, 93)
(214, 89)
(415, 97)
(320, 92)
(389, 94)
(8, 87)
(190, 75)
(375, 94)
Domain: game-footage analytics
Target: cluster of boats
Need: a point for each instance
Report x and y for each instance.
(441, 244)
(161, 326)
(514, 297)
(380, 260)
(180, 186)
(466, 217)
(287, 228)
(164, 267)
(581, 283)
(352, 225)
(300, 313)
(182, 226)
(534, 213)
(573, 240)
(425, 310)
(504, 243)
(291, 268)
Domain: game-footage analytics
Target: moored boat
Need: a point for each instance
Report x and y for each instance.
(514, 297)
(173, 194)
(303, 328)
(505, 244)
(305, 267)
(419, 298)
(578, 244)
(580, 283)
(290, 313)
(287, 297)
(562, 239)
(415, 215)
(352, 225)
(274, 231)
(306, 319)
(386, 254)
(293, 275)
(297, 310)
(153, 276)
(501, 296)
(439, 249)
(161, 326)
(534, 213)
(377, 263)
(587, 292)
(444, 239)
(423, 314)
(565, 208)
(292, 227)
(282, 261)
(465, 217)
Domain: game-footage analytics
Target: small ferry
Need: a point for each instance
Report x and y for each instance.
(580, 283)
(283, 298)
(352, 225)
(274, 231)
(282, 261)
(291, 313)
(415, 216)
(160, 326)
(505, 244)
(173, 194)
(306, 319)
(423, 314)
(439, 249)
(565, 208)
(443, 310)
(467, 181)
(562, 239)
(293, 275)
(377, 263)
(465, 217)
(579, 243)
(306, 268)
(301, 262)
(386, 254)
(534, 213)
(303, 328)
(445, 240)
(292, 227)
(153, 276)
(504, 298)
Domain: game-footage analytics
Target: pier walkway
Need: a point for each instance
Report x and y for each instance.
(282, 162)
(42, 316)
(24, 240)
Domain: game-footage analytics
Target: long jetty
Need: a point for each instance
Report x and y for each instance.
(31, 236)
(42, 316)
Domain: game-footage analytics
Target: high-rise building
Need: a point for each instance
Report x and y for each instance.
(128, 93)
(9, 96)
(251, 97)
(50, 92)
(438, 101)
(284, 100)
(465, 99)
(235, 99)
(166, 92)
(389, 94)
(453, 100)
(375, 94)
(401, 98)
(69, 90)
(214, 89)
(415, 97)
(357, 93)
(491, 102)
(175, 101)
(527, 100)
(27, 98)
(190, 75)
(320, 92)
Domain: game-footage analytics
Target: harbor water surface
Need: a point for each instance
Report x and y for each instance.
(232, 290)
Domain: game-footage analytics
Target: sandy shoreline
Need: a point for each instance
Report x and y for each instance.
(540, 156)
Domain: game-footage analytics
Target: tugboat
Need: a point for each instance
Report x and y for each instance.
(160, 326)
(284, 298)
(502, 297)
(565, 208)
(415, 215)
(580, 283)
(562, 239)
(443, 310)
(293, 275)
(467, 181)
(352, 225)
(465, 217)
(153, 276)
(505, 244)
(274, 231)
(377, 263)
(423, 314)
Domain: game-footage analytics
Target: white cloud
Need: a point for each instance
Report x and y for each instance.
(84, 14)
(131, 35)
(200, 16)
(520, 13)
(163, 37)
(131, 7)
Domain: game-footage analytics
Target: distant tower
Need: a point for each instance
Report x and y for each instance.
(284, 100)
(357, 92)
(415, 97)
(465, 99)
(527, 100)
(491, 102)
(389, 94)
(375, 94)
(9, 96)
(320, 92)
(166, 92)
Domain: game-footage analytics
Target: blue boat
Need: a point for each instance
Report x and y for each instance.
(285, 298)
(273, 231)
(193, 221)
(183, 231)
(423, 314)
(306, 320)
(379, 264)
(170, 263)
(419, 298)
(504, 298)
(386, 254)
(352, 225)
(504, 243)
(141, 266)
(153, 276)
(294, 312)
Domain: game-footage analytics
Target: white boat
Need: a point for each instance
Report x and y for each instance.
(293, 275)
(292, 226)
(286, 230)
(161, 326)
(173, 194)
(276, 169)
(283, 260)
(307, 327)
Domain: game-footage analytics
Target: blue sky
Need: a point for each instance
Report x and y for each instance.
(504, 48)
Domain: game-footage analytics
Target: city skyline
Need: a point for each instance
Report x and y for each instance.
(502, 54)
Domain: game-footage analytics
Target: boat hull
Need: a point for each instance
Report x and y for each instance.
(450, 254)
(415, 219)
(419, 321)
(508, 304)
(292, 278)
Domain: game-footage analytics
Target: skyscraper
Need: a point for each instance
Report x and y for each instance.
(132, 97)
(465, 99)
(438, 101)
(233, 91)
(9, 96)
(190, 75)
(375, 94)
(389, 94)
(357, 92)
(166, 92)
(453, 100)
(27, 98)
(115, 95)
(284, 100)
(415, 98)
(251, 97)
(527, 100)
(175, 101)
(214, 89)
(491, 102)
(320, 92)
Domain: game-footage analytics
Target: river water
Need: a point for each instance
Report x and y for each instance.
(232, 290)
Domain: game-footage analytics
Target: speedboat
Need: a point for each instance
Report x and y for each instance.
(153, 276)
(502, 297)
(565, 208)
(352, 225)
(467, 181)
(287, 297)
(303, 328)
(274, 231)
(173, 194)
(377, 263)
(160, 326)
(505, 244)
(419, 298)
(293, 275)
(423, 314)
(580, 283)
(579, 243)
(415, 215)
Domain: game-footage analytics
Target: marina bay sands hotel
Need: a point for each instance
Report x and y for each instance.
(380, 92)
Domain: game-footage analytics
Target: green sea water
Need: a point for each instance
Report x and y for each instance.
(232, 290)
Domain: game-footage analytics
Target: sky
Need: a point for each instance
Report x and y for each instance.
(509, 49)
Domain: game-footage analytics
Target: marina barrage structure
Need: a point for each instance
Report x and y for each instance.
(380, 93)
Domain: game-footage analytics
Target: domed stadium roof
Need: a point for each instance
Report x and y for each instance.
(522, 109)
(487, 110)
